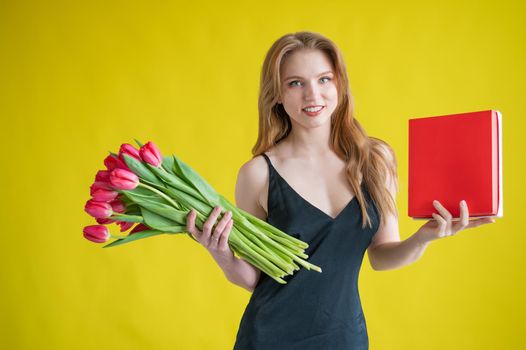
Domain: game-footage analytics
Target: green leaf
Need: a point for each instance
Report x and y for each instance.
(137, 141)
(143, 191)
(141, 170)
(133, 210)
(177, 216)
(189, 201)
(155, 220)
(168, 164)
(151, 196)
(177, 170)
(173, 229)
(172, 180)
(133, 237)
(161, 223)
(125, 200)
(127, 218)
(195, 180)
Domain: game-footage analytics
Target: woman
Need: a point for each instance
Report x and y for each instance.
(316, 175)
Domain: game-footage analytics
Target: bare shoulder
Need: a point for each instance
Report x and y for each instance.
(251, 184)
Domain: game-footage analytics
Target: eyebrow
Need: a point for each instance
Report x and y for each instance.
(298, 77)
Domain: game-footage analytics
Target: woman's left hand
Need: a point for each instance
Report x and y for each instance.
(444, 226)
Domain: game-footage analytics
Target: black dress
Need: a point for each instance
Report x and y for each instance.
(313, 310)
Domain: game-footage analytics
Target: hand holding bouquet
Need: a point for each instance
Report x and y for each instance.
(150, 194)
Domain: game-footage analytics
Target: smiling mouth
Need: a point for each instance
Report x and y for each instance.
(314, 111)
(313, 108)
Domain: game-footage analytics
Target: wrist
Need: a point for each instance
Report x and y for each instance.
(226, 262)
(420, 239)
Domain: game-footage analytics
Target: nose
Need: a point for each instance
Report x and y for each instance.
(311, 92)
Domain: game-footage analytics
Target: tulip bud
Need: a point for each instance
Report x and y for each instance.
(102, 176)
(98, 209)
(102, 191)
(96, 233)
(118, 206)
(121, 179)
(128, 149)
(104, 221)
(151, 154)
(112, 162)
(124, 225)
(139, 228)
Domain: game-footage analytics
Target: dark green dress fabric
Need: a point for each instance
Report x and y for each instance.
(313, 311)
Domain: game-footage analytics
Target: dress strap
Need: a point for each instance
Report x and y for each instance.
(268, 162)
(273, 191)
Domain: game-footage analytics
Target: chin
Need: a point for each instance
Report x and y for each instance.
(314, 122)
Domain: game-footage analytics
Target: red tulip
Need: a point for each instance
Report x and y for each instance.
(102, 191)
(128, 149)
(104, 221)
(96, 233)
(139, 228)
(124, 225)
(118, 206)
(103, 176)
(151, 154)
(112, 162)
(121, 179)
(98, 209)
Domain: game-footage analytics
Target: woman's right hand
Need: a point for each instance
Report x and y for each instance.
(214, 239)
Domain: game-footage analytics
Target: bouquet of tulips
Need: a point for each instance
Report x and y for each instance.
(150, 194)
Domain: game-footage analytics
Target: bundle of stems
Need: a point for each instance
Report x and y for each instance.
(167, 190)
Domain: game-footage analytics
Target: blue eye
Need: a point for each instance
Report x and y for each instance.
(292, 83)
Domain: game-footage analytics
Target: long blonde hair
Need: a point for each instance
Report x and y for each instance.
(365, 155)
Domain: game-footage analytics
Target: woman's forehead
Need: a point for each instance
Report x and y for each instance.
(305, 63)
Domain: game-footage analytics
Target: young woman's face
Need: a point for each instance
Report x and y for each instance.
(308, 85)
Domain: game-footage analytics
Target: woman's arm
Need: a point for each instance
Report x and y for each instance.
(387, 252)
(395, 254)
(240, 273)
(251, 181)
(392, 255)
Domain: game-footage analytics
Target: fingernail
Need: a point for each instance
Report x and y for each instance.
(463, 202)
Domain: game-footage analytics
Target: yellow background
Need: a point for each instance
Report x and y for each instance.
(77, 79)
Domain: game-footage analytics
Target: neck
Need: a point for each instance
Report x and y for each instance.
(312, 142)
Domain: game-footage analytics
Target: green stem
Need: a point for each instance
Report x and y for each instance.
(270, 253)
(153, 189)
(251, 220)
(255, 220)
(235, 237)
(272, 242)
